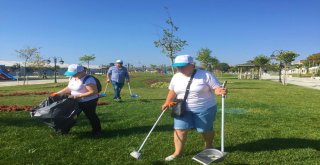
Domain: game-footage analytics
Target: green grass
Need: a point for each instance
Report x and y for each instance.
(266, 123)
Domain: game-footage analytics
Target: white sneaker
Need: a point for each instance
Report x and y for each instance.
(170, 158)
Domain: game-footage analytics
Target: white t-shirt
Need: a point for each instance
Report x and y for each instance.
(201, 94)
(77, 87)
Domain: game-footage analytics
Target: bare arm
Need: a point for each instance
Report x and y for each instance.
(108, 75)
(170, 98)
(108, 78)
(64, 91)
(127, 76)
(91, 90)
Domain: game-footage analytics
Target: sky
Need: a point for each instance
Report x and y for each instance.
(234, 30)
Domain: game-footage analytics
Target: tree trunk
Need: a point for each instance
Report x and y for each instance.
(280, 72)
(259, 74)
(88, 69)
(25, 72)
(172, 69)
(285, 76)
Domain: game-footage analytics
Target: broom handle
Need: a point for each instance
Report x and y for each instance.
(129, 88)
(154, 125)
(105, 90)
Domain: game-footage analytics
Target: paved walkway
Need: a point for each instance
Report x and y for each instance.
(305, 82)
(29, 82)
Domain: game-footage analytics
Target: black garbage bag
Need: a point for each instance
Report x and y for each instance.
(58, 112)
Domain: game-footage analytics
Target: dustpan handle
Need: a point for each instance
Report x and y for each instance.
(222, 118)
(154, 125)
(129, 88)
(105, 90)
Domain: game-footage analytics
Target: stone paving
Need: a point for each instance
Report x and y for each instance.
(313, 83)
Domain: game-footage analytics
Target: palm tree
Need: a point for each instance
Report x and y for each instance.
(87, 59)
(286, 57)
(261, 61)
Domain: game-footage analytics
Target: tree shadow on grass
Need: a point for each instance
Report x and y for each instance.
(150, 100)
(127, 131)
(158, 162)
(243, 88)
(143, 100)
(275, 144)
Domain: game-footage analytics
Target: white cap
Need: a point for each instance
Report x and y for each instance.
(119, 62)
(182, 60)
(73, 69)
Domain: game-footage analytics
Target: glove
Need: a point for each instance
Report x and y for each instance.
(172, 103)
(54, 94)
(168, 105)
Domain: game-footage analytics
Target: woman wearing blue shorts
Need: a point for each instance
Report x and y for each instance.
(201, 103)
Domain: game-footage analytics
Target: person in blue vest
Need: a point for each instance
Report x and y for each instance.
(117, 75)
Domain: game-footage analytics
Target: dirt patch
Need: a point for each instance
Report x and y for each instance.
(15, 108)
(149, 82)
(25, 93)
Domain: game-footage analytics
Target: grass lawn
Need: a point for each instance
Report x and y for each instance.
(266, 123)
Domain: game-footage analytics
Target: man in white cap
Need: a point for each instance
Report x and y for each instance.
(117, 75)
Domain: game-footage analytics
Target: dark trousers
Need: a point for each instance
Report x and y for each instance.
(89, 109)
(117, 89)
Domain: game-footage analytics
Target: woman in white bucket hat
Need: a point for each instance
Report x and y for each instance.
(200, 103)
(83, 88)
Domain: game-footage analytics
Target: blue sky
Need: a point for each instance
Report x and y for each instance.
(235, 30)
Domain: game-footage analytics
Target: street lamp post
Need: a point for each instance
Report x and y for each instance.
(55, 59)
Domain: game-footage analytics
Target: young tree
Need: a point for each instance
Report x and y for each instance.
(87, 59)
(298, 66)
(261, 61)
(170, 43)
(223, 67)
(286, 57)
(204, 56)
(37, 62)
(27, 54)
(16, 67)
(207, 62)
(153, 67)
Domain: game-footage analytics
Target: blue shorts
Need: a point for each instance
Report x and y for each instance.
(202, 120)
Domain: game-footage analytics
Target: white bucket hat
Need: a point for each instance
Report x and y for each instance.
(119, 62)
(182, 60)
(73, 69)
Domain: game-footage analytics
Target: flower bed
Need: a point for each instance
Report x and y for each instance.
(14, 108)
(159, 85)
(25, 93)
(102, 103)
